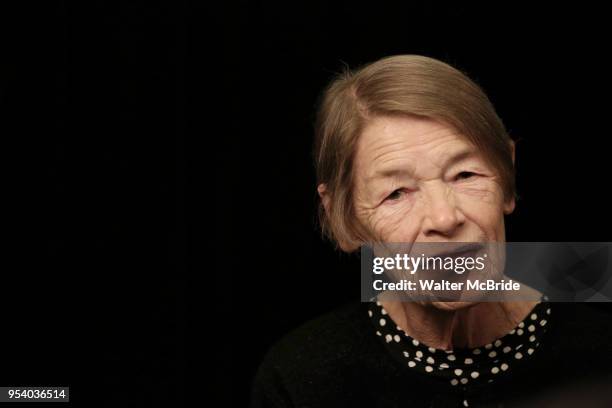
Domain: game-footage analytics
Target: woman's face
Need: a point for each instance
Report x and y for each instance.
(417, 180)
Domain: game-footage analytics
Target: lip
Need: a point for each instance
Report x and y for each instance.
(469, 248)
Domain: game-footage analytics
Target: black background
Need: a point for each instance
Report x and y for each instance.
(94, 107)
(545, 70)
(159, 190)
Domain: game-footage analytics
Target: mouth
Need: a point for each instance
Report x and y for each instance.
(468, 249)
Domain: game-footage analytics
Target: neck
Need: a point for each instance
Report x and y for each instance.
(472, 326)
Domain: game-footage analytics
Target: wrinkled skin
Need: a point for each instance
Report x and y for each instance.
(418, 180)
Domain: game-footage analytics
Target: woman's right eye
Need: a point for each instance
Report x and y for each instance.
(395, 195)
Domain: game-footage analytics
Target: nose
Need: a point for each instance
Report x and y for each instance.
(442, 216)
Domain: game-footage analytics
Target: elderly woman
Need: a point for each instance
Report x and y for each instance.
(408, 149)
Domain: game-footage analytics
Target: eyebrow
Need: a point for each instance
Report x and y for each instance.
(449, 160)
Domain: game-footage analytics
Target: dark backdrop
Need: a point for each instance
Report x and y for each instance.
(124, 121)
(544, 70)
(94, 123)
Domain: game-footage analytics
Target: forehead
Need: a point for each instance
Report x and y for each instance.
(389, 139)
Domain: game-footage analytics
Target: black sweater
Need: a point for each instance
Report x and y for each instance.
(338, 361)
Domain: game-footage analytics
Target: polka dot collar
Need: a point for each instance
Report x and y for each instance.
(468, 366)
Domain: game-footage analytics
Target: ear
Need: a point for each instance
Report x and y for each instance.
(324, 195)
(511, 204)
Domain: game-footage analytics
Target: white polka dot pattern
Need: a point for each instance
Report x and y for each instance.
(463, 366)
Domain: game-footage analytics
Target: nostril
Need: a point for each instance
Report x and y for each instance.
(442, 222)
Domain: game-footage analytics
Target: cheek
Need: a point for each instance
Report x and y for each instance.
(482, 204)
(398, 222)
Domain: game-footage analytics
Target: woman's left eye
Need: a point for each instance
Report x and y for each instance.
(464, 175)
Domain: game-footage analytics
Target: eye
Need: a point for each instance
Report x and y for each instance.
(395, 195)
(464, 175)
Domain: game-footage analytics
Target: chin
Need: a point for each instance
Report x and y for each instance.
(452, 306)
